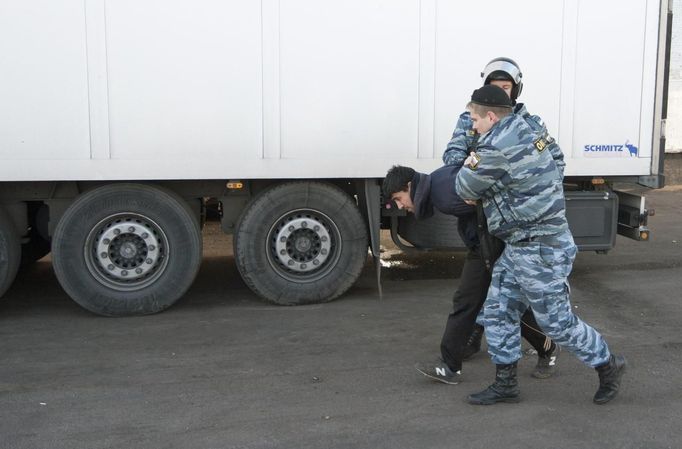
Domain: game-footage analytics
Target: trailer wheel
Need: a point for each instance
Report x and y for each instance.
(127, 249)
(10, 252)
(301, 243)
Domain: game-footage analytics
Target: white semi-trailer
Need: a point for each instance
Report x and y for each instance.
(120, 118)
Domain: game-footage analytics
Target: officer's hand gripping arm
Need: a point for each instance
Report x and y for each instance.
(473, 182)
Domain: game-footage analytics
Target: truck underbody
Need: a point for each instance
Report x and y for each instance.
(134, 248)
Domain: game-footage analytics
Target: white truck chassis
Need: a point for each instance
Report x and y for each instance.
(120, 119)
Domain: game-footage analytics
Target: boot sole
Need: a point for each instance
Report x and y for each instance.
(537, 375)
(514, 400)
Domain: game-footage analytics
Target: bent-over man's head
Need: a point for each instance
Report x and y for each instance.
(396, 186)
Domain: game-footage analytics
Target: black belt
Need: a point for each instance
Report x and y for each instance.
(537, 238)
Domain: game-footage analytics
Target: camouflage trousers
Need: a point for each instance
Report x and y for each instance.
(535, 274)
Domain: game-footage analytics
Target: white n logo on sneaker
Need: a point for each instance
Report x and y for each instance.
(552, 360)
(440, 371)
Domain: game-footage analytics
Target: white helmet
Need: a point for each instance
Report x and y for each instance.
(504, 69)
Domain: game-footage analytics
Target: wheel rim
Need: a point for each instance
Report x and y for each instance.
(126, 251)
(303, 245)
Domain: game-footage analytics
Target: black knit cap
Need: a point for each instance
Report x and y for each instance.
(491, 95)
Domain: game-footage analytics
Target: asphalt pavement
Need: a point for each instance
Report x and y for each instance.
(222, 369)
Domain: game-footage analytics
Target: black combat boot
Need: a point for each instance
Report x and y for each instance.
(610, 374)
(474, 343)
(504, 389)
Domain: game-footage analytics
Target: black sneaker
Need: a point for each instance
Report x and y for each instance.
(439, 371)
(547, 363)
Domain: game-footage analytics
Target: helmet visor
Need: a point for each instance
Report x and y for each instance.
(502, 66)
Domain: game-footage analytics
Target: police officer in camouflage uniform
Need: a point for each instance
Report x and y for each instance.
(506, 74)
(520, 187)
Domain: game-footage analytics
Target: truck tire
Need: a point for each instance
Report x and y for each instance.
(127, 249)
(301, 243)
(10, 252)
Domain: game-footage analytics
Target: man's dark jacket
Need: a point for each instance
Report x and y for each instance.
(437, 190)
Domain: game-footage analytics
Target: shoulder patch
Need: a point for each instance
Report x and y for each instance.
(541, 144)
(473, 160)
(471, 133)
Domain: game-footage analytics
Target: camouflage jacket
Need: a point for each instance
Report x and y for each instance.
(518, 182)
(464, 139)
